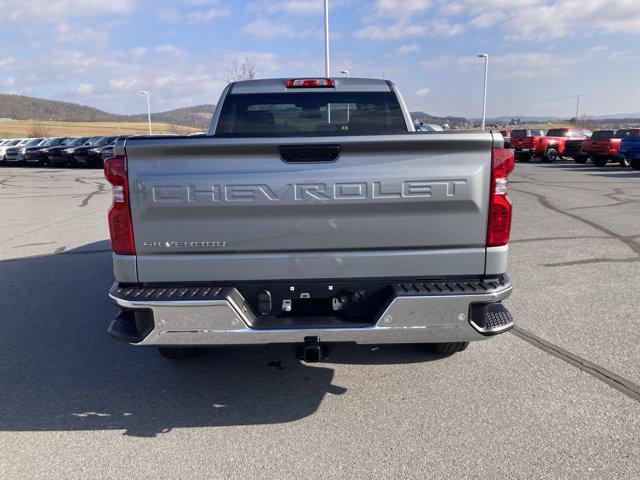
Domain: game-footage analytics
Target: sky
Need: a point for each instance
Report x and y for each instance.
(542, 53)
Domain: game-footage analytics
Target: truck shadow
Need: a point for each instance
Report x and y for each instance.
(61, 371)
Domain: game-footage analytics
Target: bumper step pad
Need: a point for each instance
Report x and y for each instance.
(463, 287)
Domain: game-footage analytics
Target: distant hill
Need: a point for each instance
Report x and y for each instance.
(20, 107)
(428, 118)
(197, 116)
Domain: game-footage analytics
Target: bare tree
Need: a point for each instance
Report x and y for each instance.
(37, 131)
(241, 70)
(178, 129)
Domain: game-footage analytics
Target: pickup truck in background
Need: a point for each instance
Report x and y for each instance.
(553, 145)
(604, 146)
(630, 148)
(524, 141)
(311, 213)
(573, 147)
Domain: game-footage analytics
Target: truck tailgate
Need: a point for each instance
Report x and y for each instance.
(217, 209)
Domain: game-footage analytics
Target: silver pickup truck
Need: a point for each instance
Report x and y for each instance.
(312, 212)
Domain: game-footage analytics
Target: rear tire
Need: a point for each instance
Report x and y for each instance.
(179, 353)
(600, 161)
(550, 156)
(448, 347)
(524, 157)
(635, 164)
(581, 159)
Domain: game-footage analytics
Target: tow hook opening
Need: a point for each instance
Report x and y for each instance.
(312, 351)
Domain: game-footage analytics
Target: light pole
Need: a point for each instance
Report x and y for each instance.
(484, 94)
(146, 94)
(345, 73)
(326, 38)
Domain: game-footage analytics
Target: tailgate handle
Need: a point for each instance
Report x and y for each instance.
(309, 153)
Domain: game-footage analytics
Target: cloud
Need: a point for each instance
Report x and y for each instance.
(206, 16)
(574, 17)
(521, 64)
(401, 8)
(421, 92)
(8, 82)
(407, 49)
(290, 7)
(65, 33)
(488, 19)
(403, 29)
(171, 14)
(270, 29)
(7, 63)
(527, 20)
(82, 89)
(50, 11)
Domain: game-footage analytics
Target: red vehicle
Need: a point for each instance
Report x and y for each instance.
(524, 142)
(507, 138)
(604, 146)
(552, 146)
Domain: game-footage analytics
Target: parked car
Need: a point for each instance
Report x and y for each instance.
(524, 141)
(8, 144)
(79, 155)
(506, 134)
(604, 146)
(630, 148)
(37, 155)
(421, 127)
(14, 154)
(57, 155)
(573, 147)
(102, 149)
(261, 232)
(552, 146)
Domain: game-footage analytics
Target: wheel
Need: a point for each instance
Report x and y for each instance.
(600, 161)
(580, 159)
(624, 162)
(524, 157)
(448, 347)
(550, 156)
(635, 163)
(179, 353)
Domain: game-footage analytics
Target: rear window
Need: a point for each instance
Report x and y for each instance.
(634, 133)
(520, 133)
(558, 132)
(310, 113)
(602, 134)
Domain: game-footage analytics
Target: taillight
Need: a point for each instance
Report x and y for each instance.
(535, 141)
(120, 228)
(310, 83)
(502, 163)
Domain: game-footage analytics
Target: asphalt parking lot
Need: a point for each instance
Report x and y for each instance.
(557, 398)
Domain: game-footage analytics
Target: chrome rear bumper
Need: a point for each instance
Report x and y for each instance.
(223, 317)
